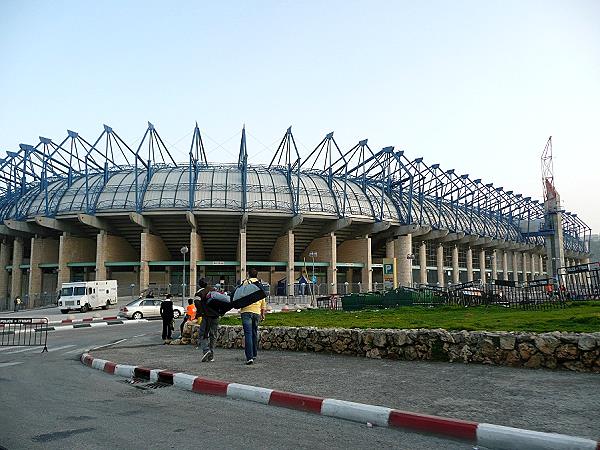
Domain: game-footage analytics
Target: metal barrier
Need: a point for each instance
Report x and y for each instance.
(24, 332)
(580, 282)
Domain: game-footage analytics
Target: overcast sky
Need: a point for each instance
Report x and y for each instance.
(477, 86)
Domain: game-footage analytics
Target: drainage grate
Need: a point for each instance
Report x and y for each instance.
(134, 380)
(157, 385)
(139, 383)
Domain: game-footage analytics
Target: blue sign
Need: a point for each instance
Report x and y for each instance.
(314, 279)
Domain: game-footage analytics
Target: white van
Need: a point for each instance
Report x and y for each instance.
(86, 295)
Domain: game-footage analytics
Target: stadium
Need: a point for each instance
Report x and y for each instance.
(100, 209)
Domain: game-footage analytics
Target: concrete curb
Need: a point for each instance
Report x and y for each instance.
(482, 434)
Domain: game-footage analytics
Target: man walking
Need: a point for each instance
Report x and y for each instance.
(166, 312)
(209, 328)
(251, 316)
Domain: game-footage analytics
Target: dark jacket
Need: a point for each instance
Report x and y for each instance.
(202, 309)
(166, 309)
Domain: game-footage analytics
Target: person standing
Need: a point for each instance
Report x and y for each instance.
(17, 303)
(209, 328)
(251, 316)
(166, 312)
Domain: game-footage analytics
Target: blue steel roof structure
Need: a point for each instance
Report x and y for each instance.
(76, 176)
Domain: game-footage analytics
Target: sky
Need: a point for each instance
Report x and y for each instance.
(476, 86)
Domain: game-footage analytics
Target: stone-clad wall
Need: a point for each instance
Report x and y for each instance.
(571, 351)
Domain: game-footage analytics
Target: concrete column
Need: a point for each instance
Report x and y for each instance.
(332, 269)
(482, 267)
(455, 266)
(290, 268)
(358, 250)
(326, 248)
(534, 271)
(196, 254)
(101, 256)
(494, 264)
(17, 260)
(505, 265)
(73, 249)
(525, 257)
(423, 263)
(389, 248)
(242, 269)
(152, 249)
(515, 262)
(43, 250)
(402, 248)
(541, 258)
(5, 252)
(366, 278)
(283, 250)
(440, 264)
(469, 264)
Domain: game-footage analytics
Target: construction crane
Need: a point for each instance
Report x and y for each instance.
(553, 226)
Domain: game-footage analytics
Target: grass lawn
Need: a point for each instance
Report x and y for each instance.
(577, 317)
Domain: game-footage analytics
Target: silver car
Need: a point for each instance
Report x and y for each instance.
(145, 308)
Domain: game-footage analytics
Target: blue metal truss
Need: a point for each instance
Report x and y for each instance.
(422, 193)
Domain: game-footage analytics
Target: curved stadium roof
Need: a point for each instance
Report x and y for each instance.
(382, 187)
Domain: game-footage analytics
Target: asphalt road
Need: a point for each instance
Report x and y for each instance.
(52, 401)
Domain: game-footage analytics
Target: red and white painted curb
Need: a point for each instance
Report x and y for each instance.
(481, 434)
(86, 320)
(91, 322)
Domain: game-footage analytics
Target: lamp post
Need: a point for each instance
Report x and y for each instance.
(313, 255)
(183, 251)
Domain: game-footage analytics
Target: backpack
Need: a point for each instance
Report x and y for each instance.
(246, 294)
(218, 302)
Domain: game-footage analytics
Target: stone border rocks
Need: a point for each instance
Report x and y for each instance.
(578, 352)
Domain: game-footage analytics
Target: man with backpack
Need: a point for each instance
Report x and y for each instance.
(209, 328)
(252, 314)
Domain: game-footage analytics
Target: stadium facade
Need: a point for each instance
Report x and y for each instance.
(83, 210)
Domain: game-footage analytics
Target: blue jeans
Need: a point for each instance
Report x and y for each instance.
(250, 325)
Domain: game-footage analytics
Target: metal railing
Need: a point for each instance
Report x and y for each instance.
(31, 332)
(580, 282)
(535, 294)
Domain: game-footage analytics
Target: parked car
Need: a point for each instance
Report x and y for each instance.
(146, 308)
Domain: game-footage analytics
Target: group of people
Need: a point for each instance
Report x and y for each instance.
(209, 326)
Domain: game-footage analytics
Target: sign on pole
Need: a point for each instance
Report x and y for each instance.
(390, 279)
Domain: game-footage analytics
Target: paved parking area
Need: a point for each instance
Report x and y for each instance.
(542, 400)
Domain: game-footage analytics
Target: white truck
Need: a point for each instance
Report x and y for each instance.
(86, 295)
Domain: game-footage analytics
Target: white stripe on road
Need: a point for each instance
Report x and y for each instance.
(108, 345)
(60, 348)
(81, 350)
(99, 324)
(14, 363)
(4, 349)
(24, 350)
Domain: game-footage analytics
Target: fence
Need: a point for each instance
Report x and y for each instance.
(24, 332)
(581, 282)
(536, 294)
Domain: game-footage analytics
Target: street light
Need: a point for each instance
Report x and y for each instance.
(183, 251)
(313, 255)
